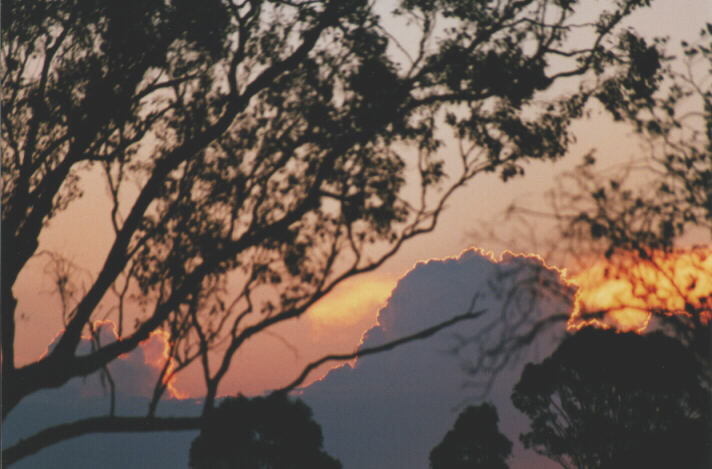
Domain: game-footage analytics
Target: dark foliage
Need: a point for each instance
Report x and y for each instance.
(636, 219)
(262, 432)
(617, 400)
(474, 442)
(253, 152)
(640, 228)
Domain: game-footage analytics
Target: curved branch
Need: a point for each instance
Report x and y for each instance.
(78, 428)
(424, 334)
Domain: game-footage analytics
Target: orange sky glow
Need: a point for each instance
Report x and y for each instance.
(629, 289)
(626, 289)
(336, 324)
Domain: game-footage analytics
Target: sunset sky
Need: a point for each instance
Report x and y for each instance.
(435, 277)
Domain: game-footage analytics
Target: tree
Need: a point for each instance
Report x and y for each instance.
(633, 223)
(636, 226)
(474, 443)
(252, 152)
(639, 228)
(271, 431)
(625, 227)
(612, 400)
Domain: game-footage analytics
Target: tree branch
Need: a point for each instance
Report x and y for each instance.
(67, 431)
(424, 334)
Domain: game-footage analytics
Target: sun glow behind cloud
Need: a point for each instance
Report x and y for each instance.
(136, 372)
(626, 291)
(334, 324)
(623, 293)
(155, 353)
(350, 305)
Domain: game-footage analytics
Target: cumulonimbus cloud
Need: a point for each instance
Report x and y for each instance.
(387, 411)
(391, 409)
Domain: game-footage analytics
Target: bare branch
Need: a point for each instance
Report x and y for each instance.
(63, 432)
(362, 352)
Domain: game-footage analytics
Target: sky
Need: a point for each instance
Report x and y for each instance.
(390, 410)
(387, 410)
(382, 411)
(83, 233)
(368, 421)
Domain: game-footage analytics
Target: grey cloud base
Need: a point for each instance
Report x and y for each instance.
(390, 410)
(387, 412)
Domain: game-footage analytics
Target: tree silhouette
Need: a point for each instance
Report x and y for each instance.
(253, 153)
(638, 227)
(614, 400)
(271, 431)
(474, 442)
(626, 225)
(633, 222)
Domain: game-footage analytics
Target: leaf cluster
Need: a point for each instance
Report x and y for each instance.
(257, 153)
(605, 400)
(473, 443)
(271, 431)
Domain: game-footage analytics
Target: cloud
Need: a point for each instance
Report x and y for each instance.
(273, 358)
(390, 410)
(629, 288)
(350, 304)
(334, 323)
(135, 373)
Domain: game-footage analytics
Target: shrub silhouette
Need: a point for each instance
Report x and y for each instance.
(610, 400)
(474, 443)
(271, 431)
(276, 146)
